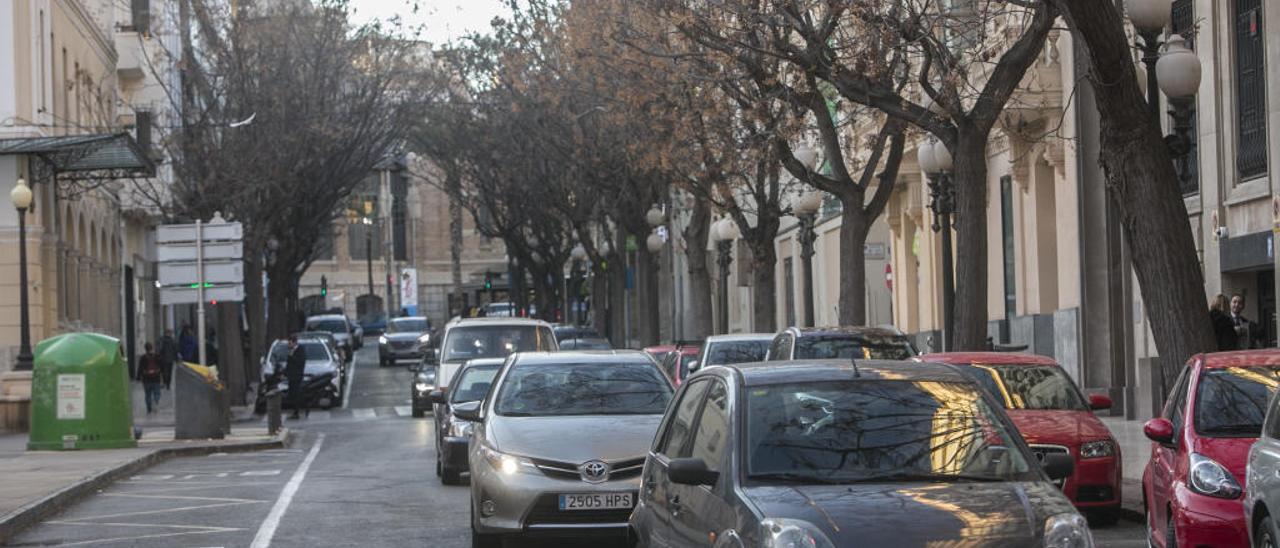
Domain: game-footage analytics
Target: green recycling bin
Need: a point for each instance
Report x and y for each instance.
(80, 396)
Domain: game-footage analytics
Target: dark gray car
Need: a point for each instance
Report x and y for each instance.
(826, 453)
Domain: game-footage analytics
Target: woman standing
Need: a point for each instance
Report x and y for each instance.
(1224, 330)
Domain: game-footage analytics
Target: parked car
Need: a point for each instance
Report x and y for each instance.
(471, 338)
(676, 364)
(424, 381)
(659, 352)
(564, 332)
(374, 323)
(328, 339)
(731, 349)
(1193, 485)
(558, 445)
(825, 343)
(835, 453)
(452, 435)
(1262, 481)
(499, 310)
(1053, 416)
(585, 344)
(321, 360)
(336, 324)
(405, 339)
(357, 333)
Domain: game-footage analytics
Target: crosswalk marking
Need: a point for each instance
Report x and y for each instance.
(404, 410)
(365, 413)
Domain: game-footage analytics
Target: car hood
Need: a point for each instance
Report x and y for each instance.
(402, 336)
(919, 514)
(1058, 427)
(612, 437)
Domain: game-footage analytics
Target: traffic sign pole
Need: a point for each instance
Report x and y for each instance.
(200, 289)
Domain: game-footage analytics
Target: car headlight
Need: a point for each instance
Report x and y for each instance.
(792, 533)
(424, 338)
(506, 464)
(1067, 531)
(382, 339)
(458, 428)
(1207, 477)
(1097, 449)
(421, 387)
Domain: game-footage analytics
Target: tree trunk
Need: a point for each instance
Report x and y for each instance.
(282, 292)
(599, 300)
(969, 312)
(854, 227)
(764, 305)
(618, 289)
(647, 272)
(231, 352)
(698, 301)
(455, 248)
(1141, 179)
(255, 309)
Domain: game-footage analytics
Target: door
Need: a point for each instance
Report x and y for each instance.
(654, 518)
(1164, 458)
(1264, 460)
(699, 511)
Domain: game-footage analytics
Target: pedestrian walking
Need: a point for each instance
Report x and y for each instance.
(294, 368)
(151, 374)
(1244, 327)
(188, 345)
(1224, 329)
(169, 355)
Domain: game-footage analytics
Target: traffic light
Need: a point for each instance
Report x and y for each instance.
(488, 280)
(324, 286)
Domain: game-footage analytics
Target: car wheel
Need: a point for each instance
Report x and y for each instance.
(450, 477)
(1264, 535)
(482, 540)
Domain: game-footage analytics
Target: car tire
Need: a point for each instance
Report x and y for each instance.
(419, 412)
(450, 477)
(482, 540)
(1265, 535)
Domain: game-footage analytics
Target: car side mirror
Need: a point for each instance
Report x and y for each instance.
(1058, 466)
(436, 396)
(1099, 402)
(691, 471)
(1159, 430)
(468, 411)
(693, 366)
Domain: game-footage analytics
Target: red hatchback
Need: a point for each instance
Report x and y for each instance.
(1193, 486)
(1053, 416)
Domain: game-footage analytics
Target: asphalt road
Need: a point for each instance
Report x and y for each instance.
(360, 476)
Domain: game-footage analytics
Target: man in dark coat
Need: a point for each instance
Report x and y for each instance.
(294, 368)
(169, 355)
(151, 373)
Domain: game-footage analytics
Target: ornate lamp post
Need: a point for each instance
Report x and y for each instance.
(936, 161)
(806, 209)
(725, 231)
(578, 254)
(21, 197)
(1176, 72)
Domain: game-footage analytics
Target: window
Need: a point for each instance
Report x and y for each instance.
(1231, 401)
(1177, 403)
(1251, 90)
(141, 11)
(781, 348)
(1184, 24)
(678, 430)
(142, 130)
(1007, 245)
(711, 437)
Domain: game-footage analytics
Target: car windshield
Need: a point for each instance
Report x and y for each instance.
(729, 352)
(850, 431)
(332, 326)
(474, 383)
(315, 350)
(494, 341)
(583, 389)
(1232, 401)
(407, 325)
(279, 352)
(845, 347)
(586, 344)
(1037, 387)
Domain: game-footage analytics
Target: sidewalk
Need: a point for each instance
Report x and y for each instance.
(1135, 449)
(37, 484)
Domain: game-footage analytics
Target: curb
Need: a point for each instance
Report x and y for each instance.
(35, 512)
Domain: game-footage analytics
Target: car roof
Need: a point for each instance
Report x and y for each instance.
(740, 337)
(856, 330)
(988, 358)
(1241, 358)
(482, 362)
(762, 373)
(497, 320)
(409, 318)
(581, 356)
(327, 317)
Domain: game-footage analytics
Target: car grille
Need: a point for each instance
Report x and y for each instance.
(403, 345)
(546, 511)
(1040, 450)
(620, 469)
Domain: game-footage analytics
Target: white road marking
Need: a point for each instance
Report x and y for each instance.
(162, 511)
(199, 531)
(177, 497)
(351, 379)
(365, 413)
(268, 529)
(404, 410)
(152, 477)
(260, 473)
(319, 415)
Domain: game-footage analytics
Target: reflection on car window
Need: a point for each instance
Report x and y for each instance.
(315, 351)
(878, 430)
(712, 434)
(583, 389)
(474, 383)
(332, 326)
(831, 348)
(1232, 401)
(493, 341)
(678, 430)
(729, 352)
(407, 325)
(1030, 386)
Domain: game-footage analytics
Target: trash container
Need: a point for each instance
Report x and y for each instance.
(201, 408)
(80, 396)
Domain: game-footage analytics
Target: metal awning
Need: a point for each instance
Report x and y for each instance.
(96, 157)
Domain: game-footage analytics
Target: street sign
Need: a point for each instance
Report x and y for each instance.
(187, 233)
(409, 286)
(187, 295)
(186, 251)
(215, 272)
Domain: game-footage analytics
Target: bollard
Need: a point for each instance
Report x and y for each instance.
(273, 412)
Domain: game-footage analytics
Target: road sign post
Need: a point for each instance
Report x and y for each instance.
(199, 263)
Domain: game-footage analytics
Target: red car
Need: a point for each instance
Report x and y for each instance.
(1193, 486)
(676, 362)
(1053, 416)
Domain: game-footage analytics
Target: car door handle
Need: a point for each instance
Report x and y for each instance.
(649, 485)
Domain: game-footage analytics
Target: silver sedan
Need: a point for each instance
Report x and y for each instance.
(559, 444)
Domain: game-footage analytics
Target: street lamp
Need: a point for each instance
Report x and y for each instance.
(806, 209)
(654, 242)
(1176, 72)
(654, 217)
(724, 231)
(21, 197)
(936, 162)
(807, 155)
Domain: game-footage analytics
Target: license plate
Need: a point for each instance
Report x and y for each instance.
(596, 501)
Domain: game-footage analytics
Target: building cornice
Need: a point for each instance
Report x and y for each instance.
(85, 24)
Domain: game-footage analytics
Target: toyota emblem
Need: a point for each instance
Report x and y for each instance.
(594, 471)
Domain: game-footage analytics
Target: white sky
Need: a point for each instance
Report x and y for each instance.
(444, 20)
